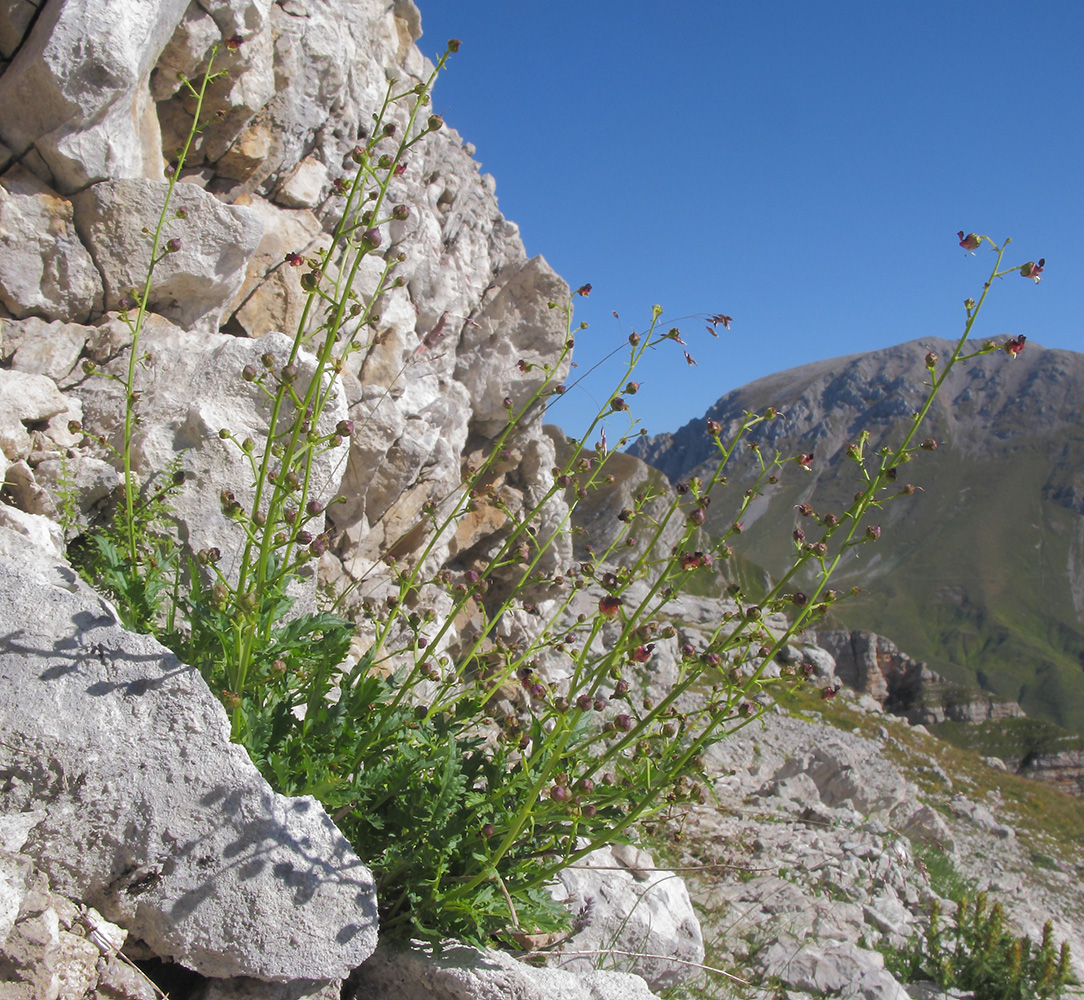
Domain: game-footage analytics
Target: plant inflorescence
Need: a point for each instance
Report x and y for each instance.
(497, 724)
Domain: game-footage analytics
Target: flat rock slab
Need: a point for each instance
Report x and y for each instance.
(151, 815)
(460, 972)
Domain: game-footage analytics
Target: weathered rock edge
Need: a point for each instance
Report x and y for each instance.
(151, 814)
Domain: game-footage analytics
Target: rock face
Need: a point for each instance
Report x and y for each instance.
(876, 666)
(143, 809)
(147, 812)
(631, 915)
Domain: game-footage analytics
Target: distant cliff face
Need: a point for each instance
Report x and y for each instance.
(981, 572)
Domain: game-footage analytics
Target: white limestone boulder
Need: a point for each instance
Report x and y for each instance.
(27, 403)
(191, 287)
(74, 100)
(151, 814)
(634, 917)
(460, 972)
(44, 268)
(42, 348)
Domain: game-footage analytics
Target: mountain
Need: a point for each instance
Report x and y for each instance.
(981, 572)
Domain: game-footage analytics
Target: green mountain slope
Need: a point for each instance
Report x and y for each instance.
(981, 572)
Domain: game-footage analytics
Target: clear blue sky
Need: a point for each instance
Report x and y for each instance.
(802, 166)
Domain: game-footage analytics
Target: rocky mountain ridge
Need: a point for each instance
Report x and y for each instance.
(979, 573)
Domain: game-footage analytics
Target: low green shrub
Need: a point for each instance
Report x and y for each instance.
(976, 952)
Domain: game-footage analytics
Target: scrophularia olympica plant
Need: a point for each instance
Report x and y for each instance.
(464, 770)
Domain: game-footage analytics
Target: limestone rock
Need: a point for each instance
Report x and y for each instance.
(84, 480)
(44, 268)
(463, 973)
(27, 402)
(151, 814)
(76, 91)
(629, 906)
(41, 348)
(515, 325)
(193, 286)
(271, 297)
(194, 389)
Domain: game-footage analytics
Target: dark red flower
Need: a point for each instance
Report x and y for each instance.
(1033, 270)
(970, 241)
(583, 290)
(294, 259)
(1014, 346)
(234, 42)
(609, 606)
(829, 693)
(805, 460)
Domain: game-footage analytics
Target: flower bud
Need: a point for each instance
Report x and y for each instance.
(931, 360)
(173, 245)
(609, 605)
(873, 532)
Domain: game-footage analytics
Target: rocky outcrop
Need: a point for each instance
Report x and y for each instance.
(1063, 769)
(631, 915)
(824, 851)
(876, 666)
(142, 807)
